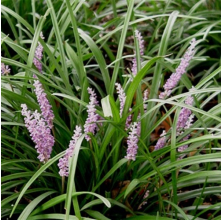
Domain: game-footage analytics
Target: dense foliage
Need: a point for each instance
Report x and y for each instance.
(111, 109)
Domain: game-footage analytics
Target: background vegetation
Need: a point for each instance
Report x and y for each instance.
(91, 44)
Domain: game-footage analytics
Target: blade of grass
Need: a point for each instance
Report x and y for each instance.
(173, 159)
(34, 177)
(28, 209)
(64, 73)
(135, 83)
(71, 182)
(82, 74)
(178, 209)
(121, 46)
(158, 69)
(99, 58)
(58, 199)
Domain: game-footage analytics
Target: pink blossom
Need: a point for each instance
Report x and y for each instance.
(132, 142)
(5, 70)
(145, 97)
(181, 69)
(63, 162)
(141, 48)
(161, 141)
(184, 122)
(184, 115)
(92, 118)
(128, 121)
(38, 55)
(144, 197)
(40, 133)
(122, 97)
(44, 103)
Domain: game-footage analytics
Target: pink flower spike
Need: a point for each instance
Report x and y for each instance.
(122, 97)
(63, 162)
(161, 141)
(44, 103)
(184, 115)
(38, 55)
(5, 70)
(132, 142)
(145, 97)
(184, 122)
(180, 70)
(144, 197)
(128, 121)
(40, 133)
(138, 126)
(92, 118)
(141, 42)
(141, 47)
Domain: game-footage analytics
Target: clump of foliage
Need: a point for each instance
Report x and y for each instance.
(111, 109)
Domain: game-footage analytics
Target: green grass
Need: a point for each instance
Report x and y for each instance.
(91, 44)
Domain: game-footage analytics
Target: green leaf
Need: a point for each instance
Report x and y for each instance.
(7, 200)
(52, 216)
(131, 187)
(19, 18)
(99, 58)
(58, 199)
(135, 83)
(208, 78)
(33, 204)
(111, 171)
(64, 73)
(97, 215)
(17, 48)
(106, 107)
(114, 109)
(7, 162)
(149, 217)
(158, 69)
(34, 177)
(121, 46)
(75, 99)
(71, 182)
(82, 74)
(36, 39)
(178, 209)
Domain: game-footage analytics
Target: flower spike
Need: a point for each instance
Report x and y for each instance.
(180, 70)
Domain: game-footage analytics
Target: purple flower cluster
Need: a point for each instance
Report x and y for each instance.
(44, 103)
(132, 142)
(122, 97)
(145, 97)
(138, 125)
(38, 55)
(189, 121)
(5, 70)
(184, 115)
(181, 69)
(144, 197)
(184, 122)
(183, 147)
(161, 141)
(40, 124)
(63, 162)
(141, 47)
(40, 133)
(90, 124)
(129, 120)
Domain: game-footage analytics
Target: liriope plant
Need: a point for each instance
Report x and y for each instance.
(102, 157)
